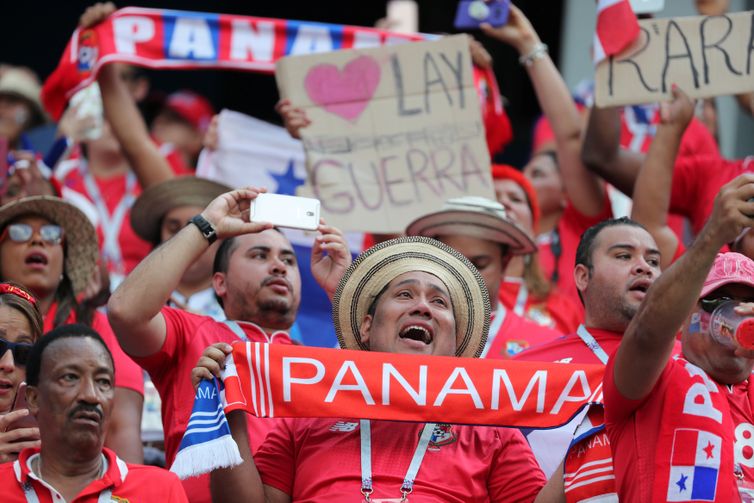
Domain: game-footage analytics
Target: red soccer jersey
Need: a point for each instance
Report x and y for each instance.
(696, 182)
(462, 463)
(558, 249)
(127, 373)
(187, 336)
(514, 335)
(684, 441)
(122, 482)
(556, 311)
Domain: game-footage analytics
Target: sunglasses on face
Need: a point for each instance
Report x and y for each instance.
(20, 351)
(709, 305)
(21, 233)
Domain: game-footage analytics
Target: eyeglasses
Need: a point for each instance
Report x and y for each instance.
(21, 233)
(20, 351)
(709, 305)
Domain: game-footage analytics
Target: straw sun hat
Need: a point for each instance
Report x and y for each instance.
(379, 265)
(81, 251)
(152, 205)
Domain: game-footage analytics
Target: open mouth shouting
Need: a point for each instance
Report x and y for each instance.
(421, 333)
(36, 260)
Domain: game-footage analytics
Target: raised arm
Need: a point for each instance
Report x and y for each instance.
(602, 154)
(240, 483)
(134, 307)
(124, 118)
(651, 200)
(648, 341)
(584, 189)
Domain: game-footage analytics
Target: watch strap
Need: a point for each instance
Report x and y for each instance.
(205, 228)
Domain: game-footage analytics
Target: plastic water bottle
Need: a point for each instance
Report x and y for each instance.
(729, 327)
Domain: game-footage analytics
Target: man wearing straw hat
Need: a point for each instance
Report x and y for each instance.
(159, 213)
(257, 280)
(410, 295)
(480, 229)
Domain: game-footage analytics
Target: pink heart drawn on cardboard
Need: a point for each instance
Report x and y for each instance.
(347, 92)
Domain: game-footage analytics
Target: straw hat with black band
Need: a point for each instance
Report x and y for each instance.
(476, 217)
(376, 267)
(154, 203)
(80, 238)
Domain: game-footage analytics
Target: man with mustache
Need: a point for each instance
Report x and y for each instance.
(257, 282)
(70, 374)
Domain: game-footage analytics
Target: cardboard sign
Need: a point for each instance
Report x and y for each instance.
(705, 56)
(395, 131)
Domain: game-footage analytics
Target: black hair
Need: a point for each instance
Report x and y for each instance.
(75, 330)
(222, 259)
(586, 243)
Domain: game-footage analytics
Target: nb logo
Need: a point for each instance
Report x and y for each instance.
(344, 426)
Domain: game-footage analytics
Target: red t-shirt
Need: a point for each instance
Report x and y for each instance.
(187, 336)
(696, 182)
(126, 482)
(557, 311)
(127, 373)
(682, 441)
(514, 335)
(319, 460)
(571, 226)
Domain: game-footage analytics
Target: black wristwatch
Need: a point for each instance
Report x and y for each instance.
(205, 228)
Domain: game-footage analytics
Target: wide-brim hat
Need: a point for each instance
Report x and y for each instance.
(151, 206)
(81, 251)
(476, 217)
(21, 83)
(379, 265)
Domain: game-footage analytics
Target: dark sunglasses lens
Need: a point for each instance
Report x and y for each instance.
(21, 354)
(20, 233)
(51, 233)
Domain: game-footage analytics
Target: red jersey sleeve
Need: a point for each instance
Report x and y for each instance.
(617, 407)
(127, 373)
(580, 222)
(514, 472)
(276, 458)
(690, 174)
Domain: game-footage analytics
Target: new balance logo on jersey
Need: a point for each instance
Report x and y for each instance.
(344, 426)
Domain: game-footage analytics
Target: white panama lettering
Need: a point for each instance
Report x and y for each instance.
(204, 393)
(448, 388)
(248, 42)
(577, 377)
(704, 408)
(419, 396)
(288, 380)
(191, 38)
(539, 379)
(360, 385)
(130, 30)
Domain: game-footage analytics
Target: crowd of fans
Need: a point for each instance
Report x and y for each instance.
(118, 266)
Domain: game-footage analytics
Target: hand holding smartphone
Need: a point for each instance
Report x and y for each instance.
(286, 211)
(19, 403)
(472, 13)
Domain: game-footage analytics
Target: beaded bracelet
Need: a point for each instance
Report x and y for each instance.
(539, 52)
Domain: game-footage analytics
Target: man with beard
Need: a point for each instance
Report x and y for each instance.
(71, 389)
(257, 282)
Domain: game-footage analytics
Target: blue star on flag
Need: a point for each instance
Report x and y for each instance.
(287, 182)
(682, 483)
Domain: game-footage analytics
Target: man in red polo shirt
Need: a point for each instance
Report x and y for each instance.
(616, 262)
(71, 381)
(257, 282)
(681, 429)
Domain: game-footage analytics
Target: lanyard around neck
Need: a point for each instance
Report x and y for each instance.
(592, 344)
(413, 467)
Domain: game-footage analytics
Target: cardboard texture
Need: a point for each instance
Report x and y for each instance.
(395, 131)
(705, 56)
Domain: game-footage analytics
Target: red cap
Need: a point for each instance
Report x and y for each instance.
(506, 172)
(193, 107)
(729, 267)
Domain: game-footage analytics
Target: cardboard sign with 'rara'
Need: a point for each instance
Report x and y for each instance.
(395, 131)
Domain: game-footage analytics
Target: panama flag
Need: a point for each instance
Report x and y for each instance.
(254, 152)
(616, 29)
(694, 466)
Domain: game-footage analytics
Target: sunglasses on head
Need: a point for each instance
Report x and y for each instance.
(21, 233)
(20, 351)
(709, 305)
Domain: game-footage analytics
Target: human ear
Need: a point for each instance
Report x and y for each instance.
(364, 328)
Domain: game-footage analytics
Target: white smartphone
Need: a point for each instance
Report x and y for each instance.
(286, 211)
(647, 6)
(403, 16)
